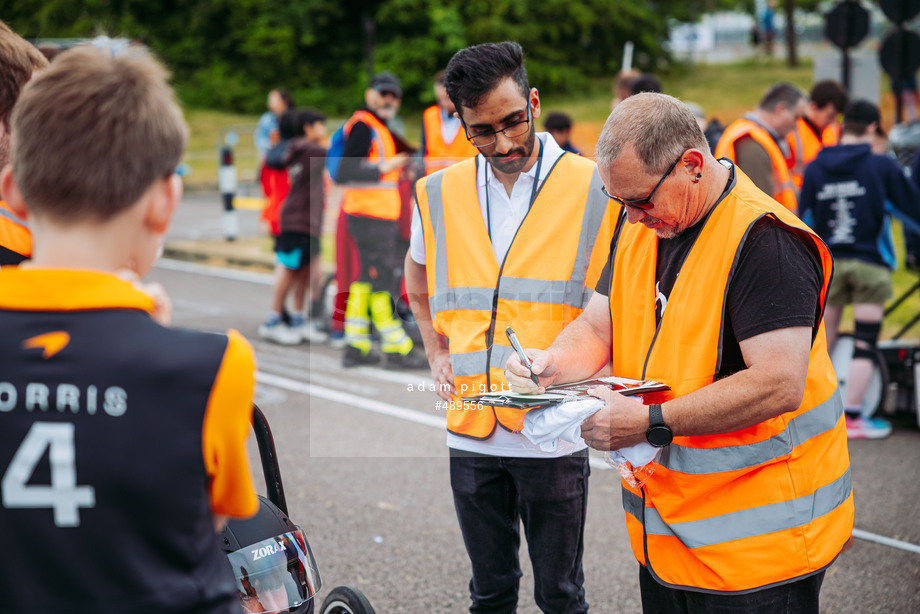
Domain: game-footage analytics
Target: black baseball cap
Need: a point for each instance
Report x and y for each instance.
(861, 112)
(386, 82)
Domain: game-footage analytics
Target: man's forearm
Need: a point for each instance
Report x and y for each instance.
(580, 351)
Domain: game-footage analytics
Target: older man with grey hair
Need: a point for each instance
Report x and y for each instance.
(715, 289)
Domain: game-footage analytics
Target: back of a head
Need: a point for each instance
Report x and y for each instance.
(646, 82)
(781, 92)
(557, 122)
(659, 127)
(858, 116)
(475, 71)
(93, 132)
(828, 92)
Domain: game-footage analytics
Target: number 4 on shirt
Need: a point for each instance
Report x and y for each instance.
(62, 495)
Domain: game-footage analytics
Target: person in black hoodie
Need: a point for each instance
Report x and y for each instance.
(848, 194)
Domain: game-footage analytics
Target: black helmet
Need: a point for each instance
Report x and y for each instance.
(272, 562)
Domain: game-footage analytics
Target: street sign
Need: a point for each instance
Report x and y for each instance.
(847, 24)
(900, 54)
(899, 11)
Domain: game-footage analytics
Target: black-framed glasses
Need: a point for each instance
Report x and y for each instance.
(643, 203)
(484, 139)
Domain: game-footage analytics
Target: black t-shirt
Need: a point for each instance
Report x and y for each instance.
(776, 284)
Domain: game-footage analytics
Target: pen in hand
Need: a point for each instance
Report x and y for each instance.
(512, 338)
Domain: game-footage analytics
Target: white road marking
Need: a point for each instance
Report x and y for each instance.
(203, 269)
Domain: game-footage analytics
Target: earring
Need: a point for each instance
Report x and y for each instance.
(697, 178)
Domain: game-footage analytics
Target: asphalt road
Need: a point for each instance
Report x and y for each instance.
(365, 471)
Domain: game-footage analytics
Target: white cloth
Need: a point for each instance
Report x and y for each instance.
(549, 427)
(507, 211)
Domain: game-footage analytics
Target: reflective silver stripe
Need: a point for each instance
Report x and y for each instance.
(462, 298)
(753, 521)
(474, 363)
(436, 214)
(13, 217)
(468, 363)
(544, 291)
(819, 419)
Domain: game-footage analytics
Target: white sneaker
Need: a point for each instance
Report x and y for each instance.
(280, 333)
(309, 333)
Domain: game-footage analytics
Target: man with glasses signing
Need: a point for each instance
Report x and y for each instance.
(718, 290)
(516, 236)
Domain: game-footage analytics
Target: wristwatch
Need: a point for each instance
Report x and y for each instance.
(658, 433)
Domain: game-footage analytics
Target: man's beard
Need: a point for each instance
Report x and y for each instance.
(515, 166)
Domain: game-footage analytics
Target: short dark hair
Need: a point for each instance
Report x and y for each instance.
(557, 121)
(286, 96)
(781, 92)
(830, 92)
(475, 71)
(646, 82)
(292, 122)
(439, 77)
(308, 117)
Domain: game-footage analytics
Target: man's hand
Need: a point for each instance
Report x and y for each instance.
(518, 375)
(443, 374)
(622, 421)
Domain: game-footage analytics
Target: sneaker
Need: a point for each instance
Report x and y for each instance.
(867, 428)
(337, 340)
(309, 332)
(354, 357)
(413, 360)
(279, 333)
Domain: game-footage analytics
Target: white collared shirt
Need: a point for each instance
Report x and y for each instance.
(507, 212)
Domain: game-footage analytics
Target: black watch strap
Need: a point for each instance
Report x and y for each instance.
(654, 415)
(658, 433)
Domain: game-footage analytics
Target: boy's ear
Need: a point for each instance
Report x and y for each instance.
(162, 206)
(11, 194)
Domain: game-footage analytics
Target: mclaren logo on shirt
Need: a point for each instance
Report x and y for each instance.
(50, 343)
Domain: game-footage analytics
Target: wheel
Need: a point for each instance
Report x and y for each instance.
(874, 401)
(346, 600)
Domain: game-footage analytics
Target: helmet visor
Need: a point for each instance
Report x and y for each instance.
(276, 574)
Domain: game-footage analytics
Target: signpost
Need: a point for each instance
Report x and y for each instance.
(900, 52)
(846, 25)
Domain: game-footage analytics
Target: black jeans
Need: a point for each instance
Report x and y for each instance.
(800, 597)
(378, 251)
(493, 496)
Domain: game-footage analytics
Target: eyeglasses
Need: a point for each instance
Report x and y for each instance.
(484, 139)
(644, 203)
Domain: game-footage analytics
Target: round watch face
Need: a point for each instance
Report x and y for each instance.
(659, 436)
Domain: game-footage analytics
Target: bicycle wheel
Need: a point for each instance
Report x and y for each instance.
(876, 395)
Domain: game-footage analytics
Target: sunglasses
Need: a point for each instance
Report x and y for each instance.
(643, 203)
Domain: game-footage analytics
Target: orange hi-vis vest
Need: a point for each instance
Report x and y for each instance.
(14, 232)
(544, 282)
(783, 188)
(379, 199)
(731, 512)
(804, 146)
(438, 153)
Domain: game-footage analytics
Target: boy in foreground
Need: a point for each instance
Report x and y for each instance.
(122, 441)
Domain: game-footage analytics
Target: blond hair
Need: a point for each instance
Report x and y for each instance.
(93, 132)
(659, 127)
